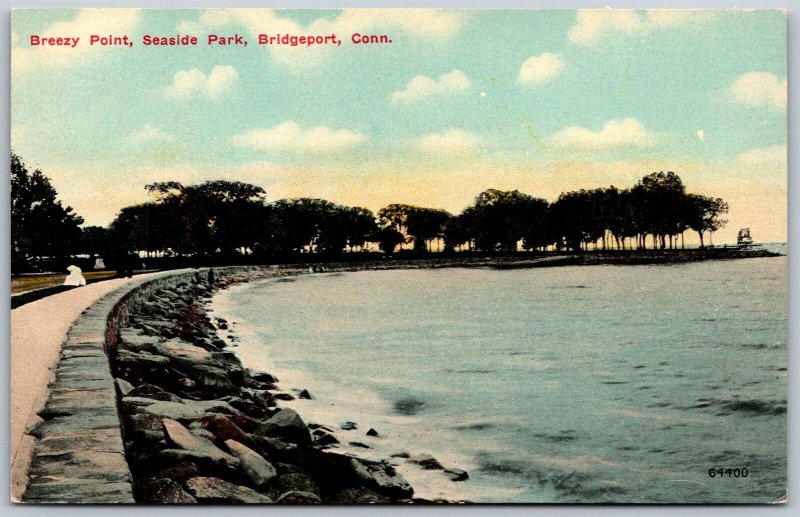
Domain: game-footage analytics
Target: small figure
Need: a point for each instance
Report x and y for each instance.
(75, 278)
(211, 277)
(99, 263)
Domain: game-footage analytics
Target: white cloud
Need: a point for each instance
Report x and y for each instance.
(85, 23)
(290, 136)
(538, 69)
(150, 133)
(450, 142)
(614, 134)
(591, 25)
(773, 155)
(421, 86)
(218, 81)
(426, 24)
(759, 89)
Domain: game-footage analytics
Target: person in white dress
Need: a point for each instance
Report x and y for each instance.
(75, 277)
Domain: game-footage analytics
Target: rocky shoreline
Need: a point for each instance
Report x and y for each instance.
(200, 428)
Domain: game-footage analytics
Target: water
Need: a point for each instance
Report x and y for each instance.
(573, 384)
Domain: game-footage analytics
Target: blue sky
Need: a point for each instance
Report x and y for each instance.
(541, 101)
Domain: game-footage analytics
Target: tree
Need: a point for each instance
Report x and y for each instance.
(425, 225)
(704, 214)
(40, 225)
(388, 239)
(500, 219)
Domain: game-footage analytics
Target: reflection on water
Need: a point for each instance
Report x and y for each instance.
(575, 384)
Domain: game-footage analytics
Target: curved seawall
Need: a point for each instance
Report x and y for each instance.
(77, 454)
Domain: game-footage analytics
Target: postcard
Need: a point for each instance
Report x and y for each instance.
(400, 256)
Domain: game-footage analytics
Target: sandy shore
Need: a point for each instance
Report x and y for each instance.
(37, 333)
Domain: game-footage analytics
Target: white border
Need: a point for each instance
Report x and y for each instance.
(793, 421)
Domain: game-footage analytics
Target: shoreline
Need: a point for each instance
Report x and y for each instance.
(199, 427)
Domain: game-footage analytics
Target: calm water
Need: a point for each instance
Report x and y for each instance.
(577, 384)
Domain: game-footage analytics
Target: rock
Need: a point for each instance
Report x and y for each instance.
(253, 408)
(305, 395)
(348, 426)
(187, 382)
(180, 472)
(426, 461)
(456, 474)
(204, 434)
(184, 352)
(400, 454)
(139, 360)
(185, 410)
(214, 490)
(272, 446)
(382, 478)
(123, 387)
(152, 391)
(298, 498)
(206, 463)
(217, 379)
(161, 491)
(145, 430)
(359, 444)
(284, 396)
(297, 482)
(287, 425)
(372, 432)
(258, 470)
(324, 438)
(245, 423)
(182, 438)
(263, 377)
(224, 429)
(358, 495)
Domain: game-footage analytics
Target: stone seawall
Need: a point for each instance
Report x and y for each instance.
(79, 455)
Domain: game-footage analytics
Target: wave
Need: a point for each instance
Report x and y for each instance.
(747, 407)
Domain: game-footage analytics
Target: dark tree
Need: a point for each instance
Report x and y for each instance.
(40, 226)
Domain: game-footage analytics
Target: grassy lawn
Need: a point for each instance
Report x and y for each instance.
(26, 283)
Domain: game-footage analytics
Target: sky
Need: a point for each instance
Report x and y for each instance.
(459, 101)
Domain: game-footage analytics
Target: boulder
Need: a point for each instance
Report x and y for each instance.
(152, 391)
(298, 498)
(139, 360)
(348, 426)
(215, 490)
(305, 395)
(180, 471)
(286, 425)
(143, 429)
(358, 495)
(161, 491)
(123, 387)
(360, 445)
(258, 470)
(224, 429)
(372, 432)
(210, 464)
(182, 438)
(456, 474)
(284, 396)
(381, 478)
(426, 461)
(298, 481)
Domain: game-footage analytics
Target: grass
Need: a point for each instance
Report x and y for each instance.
(22, 284)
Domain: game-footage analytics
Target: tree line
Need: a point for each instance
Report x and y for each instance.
(229, 219)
